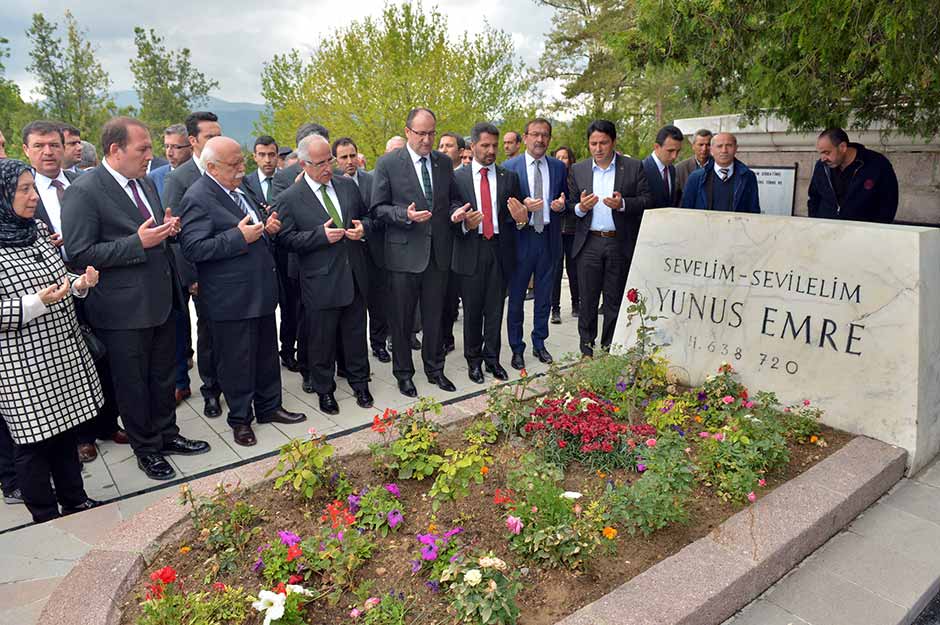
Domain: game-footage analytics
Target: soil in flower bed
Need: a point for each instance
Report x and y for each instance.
(548, 595)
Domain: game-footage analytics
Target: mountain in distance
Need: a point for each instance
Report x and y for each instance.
(237, 118)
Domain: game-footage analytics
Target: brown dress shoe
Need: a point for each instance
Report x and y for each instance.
(243, 435)
(87, 452)
(120, 437)
(182, 394)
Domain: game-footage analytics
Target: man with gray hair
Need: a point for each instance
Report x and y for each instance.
(394, 143)
(726, 184)
(178, 150)
(701, 153)
(89, 158)
(227, 234)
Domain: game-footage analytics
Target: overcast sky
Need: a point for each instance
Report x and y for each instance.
(230, 39)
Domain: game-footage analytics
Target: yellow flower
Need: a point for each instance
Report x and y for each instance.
(432, 529)
(601, 474)
(610, 533)
(185, 549)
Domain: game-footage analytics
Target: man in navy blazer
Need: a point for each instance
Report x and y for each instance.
(538, 240)
(229, 240)
(660, 170)
(178, 151)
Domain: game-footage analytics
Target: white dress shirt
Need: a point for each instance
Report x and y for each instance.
(491, 177)
(122, 182)
(264, 182)
(602, 218)
(660, 168)
(50, 199)
(330, 191)
(546, 186)
(730, 169)
(416, 159)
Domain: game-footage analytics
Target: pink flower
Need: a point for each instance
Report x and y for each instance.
(787, 409)
(651, 442)
(718, 436)
(704, 434)
(312, 432)
(640, 468)
(762, 482)
(577, 509)
(355, 613)
(514, 524)
(751, 497)
(727, 399)
(806, 402)
(371, 602)
(748, 404)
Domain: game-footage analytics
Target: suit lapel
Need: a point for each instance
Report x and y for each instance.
(502, 196)
(524, 177)
(412, 175)
(116, 194)
(466, 183)
(311, 198)
(619, 173)
(674, 193)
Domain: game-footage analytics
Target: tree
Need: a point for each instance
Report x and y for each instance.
(14, 112)
(72, 83)
(851, 62)
(167, 84)
(362, 80)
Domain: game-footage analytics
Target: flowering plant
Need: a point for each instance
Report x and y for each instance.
(389, 609)
(436, 551)
(281, 560)
(335, 555)
(413, 455)
(669, 411)
(304, 464)
(461, 468)
(482, 590)
(167, 603)
(378, 509)
(283, 605)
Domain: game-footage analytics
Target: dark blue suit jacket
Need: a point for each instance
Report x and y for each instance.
(658, 188)
(158, 176)
(237, 280)
(557, 184)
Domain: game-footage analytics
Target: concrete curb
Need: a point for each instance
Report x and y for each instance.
(704, 583)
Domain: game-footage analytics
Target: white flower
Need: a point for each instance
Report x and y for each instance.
(568, 494)
(473, 577)
(492, 563)
(272, 604)
(291, 588)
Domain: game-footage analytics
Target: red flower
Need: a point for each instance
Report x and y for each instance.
(338, 514)
(166, 575)
(154, 592)
(280, 589)
(219, 586)
(562, 444)
(502, 496)
(381, 424)
(294, 579)
(633, 296)
(293, 552)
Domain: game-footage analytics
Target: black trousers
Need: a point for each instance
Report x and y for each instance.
(249, 370)
(484, 297)
(7, 467)
(206, 356)
(425, 290)
(377, 302)
(57, 457)
(289, 304)
(143, 370)
(602, 268)
(105, 423)
(450, 309)
(566, 261)
(328, 329)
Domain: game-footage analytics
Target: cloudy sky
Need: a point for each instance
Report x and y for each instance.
(230, 39)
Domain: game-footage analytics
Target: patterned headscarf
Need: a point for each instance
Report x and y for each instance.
(15, 231)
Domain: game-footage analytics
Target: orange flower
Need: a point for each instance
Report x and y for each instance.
(484, 470)
(523, 374)
(698, 418)
(601, 474)
(185, 549)
(432, 529)
(610, 533)
(813, 439)
(616, 408)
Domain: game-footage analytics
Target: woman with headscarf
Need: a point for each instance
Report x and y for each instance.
(48, 382)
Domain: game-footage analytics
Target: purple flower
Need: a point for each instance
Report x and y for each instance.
(288, 538)
(621, 387)
(339, 536)
(415, 566)
(433, 586)
(640, 468)
(679, 430)
(429, 552)
(453, 532)
(393, 489)
(427, 539)
(702, 396)
(353, 501)
(394, 518)
(258, 565)
(263, 547)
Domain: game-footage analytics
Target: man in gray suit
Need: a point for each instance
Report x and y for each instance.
(414, 194)
(200, 127)
(701, 154)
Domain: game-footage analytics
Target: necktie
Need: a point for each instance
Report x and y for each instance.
(426, 181)
(538, 219)
(242, 205)
(267, 190)
(486, 202)
(140, 203)
(666, 181)
(723, 172)
(331, 208)
(59, 190)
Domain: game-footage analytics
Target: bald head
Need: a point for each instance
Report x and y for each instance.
(724, 147)
(394, 143)
(224, 161)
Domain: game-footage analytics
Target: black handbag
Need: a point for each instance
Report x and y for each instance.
(95, 346)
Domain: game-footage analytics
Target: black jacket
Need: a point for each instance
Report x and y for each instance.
(871, 194)
(467, 245)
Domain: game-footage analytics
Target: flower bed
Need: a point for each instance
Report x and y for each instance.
(523, 515)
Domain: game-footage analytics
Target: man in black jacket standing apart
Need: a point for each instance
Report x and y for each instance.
(112, 220)
(851, 182)
(226, 235)
(324, 222)
(415, 195)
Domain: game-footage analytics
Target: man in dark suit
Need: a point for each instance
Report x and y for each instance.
(325, 220)
(659, 169)
(609, 193)
(43, 143)
(178, 151)
(485, 249)
(287, 176)
(726, 184)
(415, 195)
(112, 220)
(701, 154)
(544, 185)
(228, 237)
(346, 153)
(260, 183)
(201, 126)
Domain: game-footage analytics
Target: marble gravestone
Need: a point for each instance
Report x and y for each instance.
(845, 314)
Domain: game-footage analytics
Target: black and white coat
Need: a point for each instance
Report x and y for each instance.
(48, 381)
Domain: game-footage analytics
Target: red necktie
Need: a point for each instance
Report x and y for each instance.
(487, 203)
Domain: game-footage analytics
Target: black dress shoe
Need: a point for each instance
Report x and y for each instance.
(364, 398)
(182, 446)
(498, 372)
(587, 350)
(212, 408)
(244, 435)
(518, 361)
(282, 416)
(415, 342)
(449, 347)
(407, 388)
(556, 317)
(290, 363)
(575, 309)
(342, 373)
(440, 380)
(88, 504)
(308, 385)
(543, 355)
(476, 374)
(155, 467)
(328, 403)
(382, 354)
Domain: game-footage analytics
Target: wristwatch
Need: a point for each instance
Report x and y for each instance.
(521, 224)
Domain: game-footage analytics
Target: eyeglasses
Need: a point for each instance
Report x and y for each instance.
(323, 163)
(539, 135)
(183, 146)
(422, 133)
